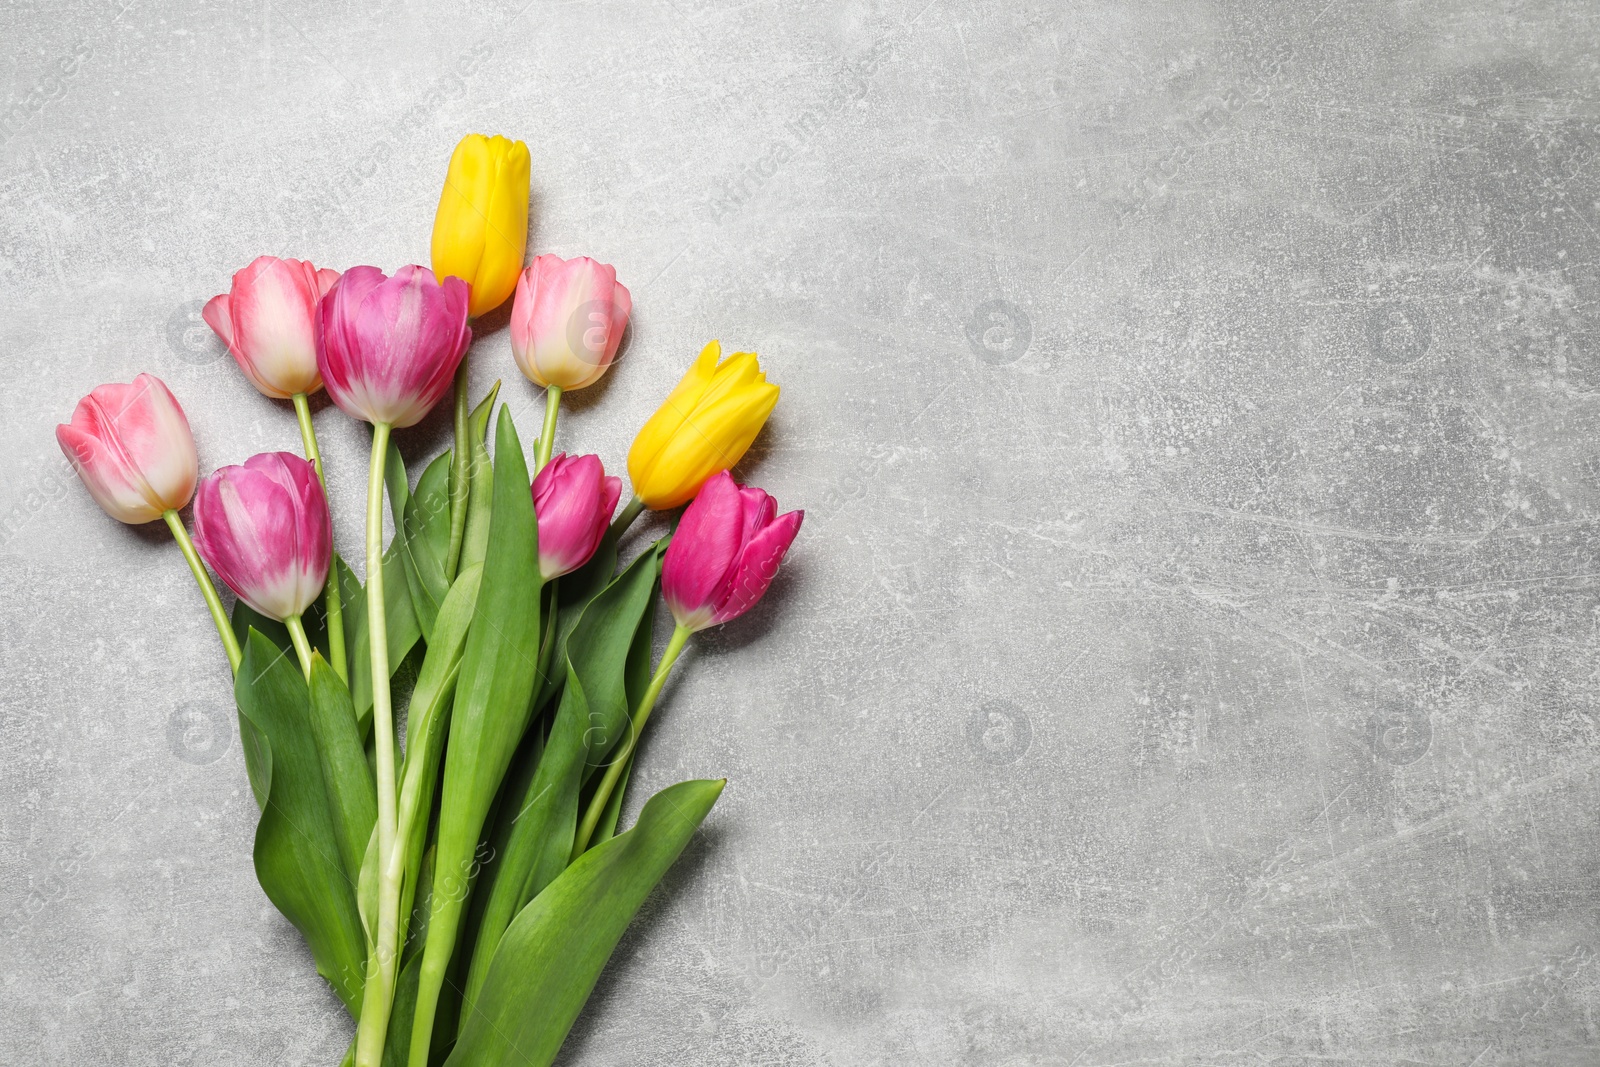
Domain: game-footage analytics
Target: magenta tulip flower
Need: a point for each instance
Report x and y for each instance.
(567, 321)
(263, 527)
(573, 500)
(725, 553)
(722, 558)
(268, 320)
(388, 347)
(132, 447)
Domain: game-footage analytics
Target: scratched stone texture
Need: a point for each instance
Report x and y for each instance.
(1188, 655)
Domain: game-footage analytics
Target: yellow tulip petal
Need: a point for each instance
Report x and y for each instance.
(480, 231)
(659, 429)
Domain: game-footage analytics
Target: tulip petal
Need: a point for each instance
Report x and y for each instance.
(219, 317)
(758, 565)
(696, 568)
(388, 348)
(264, 528)
(645, 456)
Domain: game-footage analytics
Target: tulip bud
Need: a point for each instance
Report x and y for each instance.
(704, 427)
(481, 229)
(388, 347)
(567, 321)
(573, 500)
(264, 528)
(132, 447)
(268, 320)
(725, 553)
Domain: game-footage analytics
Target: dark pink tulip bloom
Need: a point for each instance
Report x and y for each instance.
(389, 347)
(725, 553)
(132, 447)
(263, 527)
(573, 500)
(268, 319)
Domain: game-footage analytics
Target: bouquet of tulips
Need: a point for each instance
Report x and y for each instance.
(460, 892)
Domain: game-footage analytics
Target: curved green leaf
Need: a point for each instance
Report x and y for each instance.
(297, 853)
(352, 796)
(403, 631)
(428, 720)
(426, 542)
(590, 720)
(551, 957)
(480, 485)
(492, 701)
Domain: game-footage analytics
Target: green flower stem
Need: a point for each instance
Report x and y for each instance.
(333, 602)
(630, 511)
(547, 435)
(378, 996)
(619, 759)
(302, 647)
(230, 643)
(458, 475)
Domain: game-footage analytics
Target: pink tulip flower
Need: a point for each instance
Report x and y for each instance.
(725, 553)
(573, 500)
(132, 447)
(567, 321)
(268, 320)
(389, 347)
(263, 527)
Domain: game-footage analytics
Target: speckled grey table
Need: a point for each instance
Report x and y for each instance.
(1188, 656)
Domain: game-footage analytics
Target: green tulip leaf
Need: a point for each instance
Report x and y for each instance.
(297, 848)
(552, 955)
(606, 828)
(478, 421)
(352, 797)
(575, 591)
(591, 718)
(428, 719)
(403, 631)
(397, 482)
(480, 484)
(492, 701)
(257, 749)
(426, 542)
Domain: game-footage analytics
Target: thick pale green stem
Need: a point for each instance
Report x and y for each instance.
(378, 996)
(547, 435)
(302, 647)
(333, 602)
(630, 511)
(230, 643)
(619, 759)
(458, 475)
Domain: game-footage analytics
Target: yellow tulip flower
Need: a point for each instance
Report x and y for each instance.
(481, 229)
(704, 427)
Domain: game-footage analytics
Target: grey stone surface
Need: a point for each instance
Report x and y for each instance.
(1187, 658)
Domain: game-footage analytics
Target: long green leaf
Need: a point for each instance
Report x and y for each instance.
(606, 828)
(575, 591)
(396, 482)
(492, 702)
(352, 797)
(428, 720)
(590, 720)
(426, 540)
(552, 955)
(403, 631)
(480, 498)
(257, 749)
(297, 855)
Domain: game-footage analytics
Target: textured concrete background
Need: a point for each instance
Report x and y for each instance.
(1187, 658)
